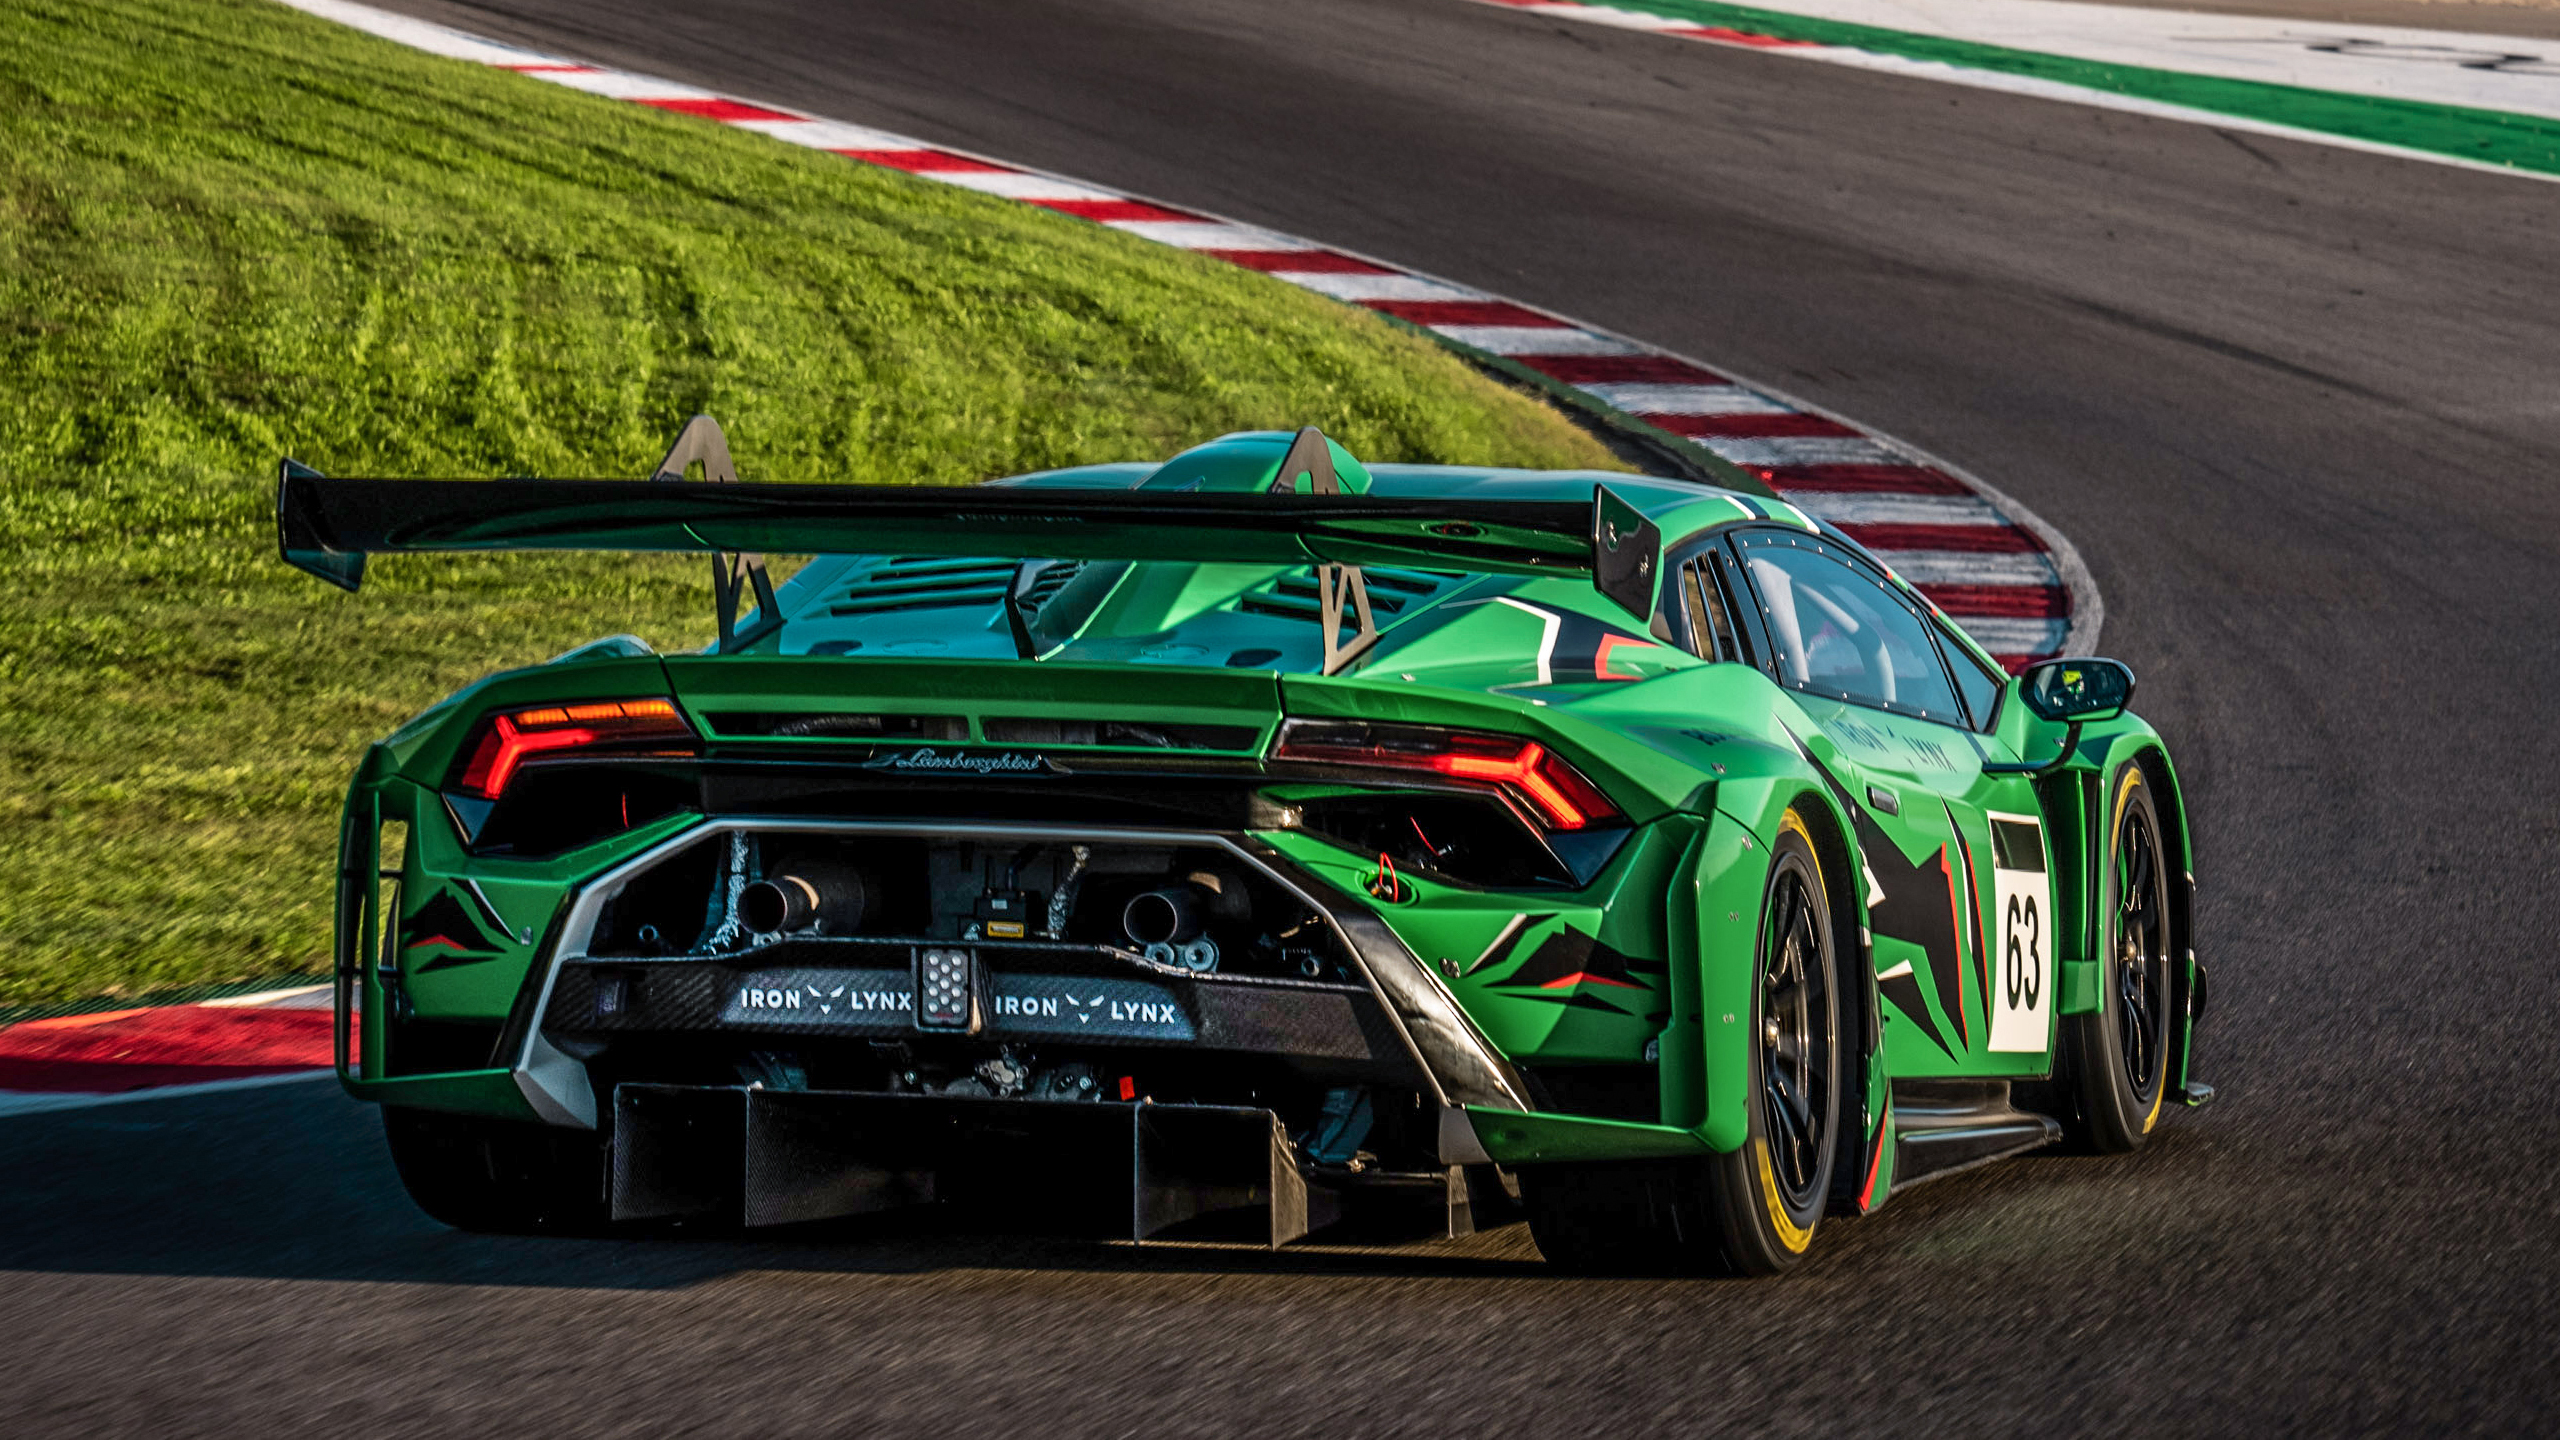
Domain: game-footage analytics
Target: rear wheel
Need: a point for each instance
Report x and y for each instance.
(1752, 1212)
(2119, 1053)
(498, 1176)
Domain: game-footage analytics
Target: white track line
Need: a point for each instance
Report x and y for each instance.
(1642, 399)
(1554, 340)
(265, 998)
(40, 1102)
(1360, 289)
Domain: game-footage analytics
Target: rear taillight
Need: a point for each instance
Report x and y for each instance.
(1555, 793)
(507, 739)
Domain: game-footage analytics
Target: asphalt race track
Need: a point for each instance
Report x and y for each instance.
(2300, 409)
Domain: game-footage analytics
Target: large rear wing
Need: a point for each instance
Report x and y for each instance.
(329, 526)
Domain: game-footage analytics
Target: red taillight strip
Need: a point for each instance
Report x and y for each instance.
(1568, 801)
(1557, 793)
(506, 740)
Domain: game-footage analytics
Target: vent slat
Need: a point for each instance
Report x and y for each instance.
(1307, 592)
(1294, 596)
(925, 587)
(922, 582)
(919, 602)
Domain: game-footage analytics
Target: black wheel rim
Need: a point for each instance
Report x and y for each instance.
(1795, 1041)
(2142, 953)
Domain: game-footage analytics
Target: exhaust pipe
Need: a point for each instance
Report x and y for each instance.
(1168, 916)
(829, 898)
(1171, 925)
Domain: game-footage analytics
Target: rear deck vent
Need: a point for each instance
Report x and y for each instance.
(1041, 730)
(1391, 594)
(922, 582)
(1046, 585)
(803, 725)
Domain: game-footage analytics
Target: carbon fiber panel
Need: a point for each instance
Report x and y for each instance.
(778, 1157)
(603, 998)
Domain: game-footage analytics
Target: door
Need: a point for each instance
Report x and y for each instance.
(1956, 889)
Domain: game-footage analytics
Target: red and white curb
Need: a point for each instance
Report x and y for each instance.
(72, 1061)
(1645, 20)
(2009, 579)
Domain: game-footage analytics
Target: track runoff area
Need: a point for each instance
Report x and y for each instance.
(1995, 569)
(2482, 102)
(2435, 96)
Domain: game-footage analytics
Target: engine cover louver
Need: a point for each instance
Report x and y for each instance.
(1392, 594)
(918, 582)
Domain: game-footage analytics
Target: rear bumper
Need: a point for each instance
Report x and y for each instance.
(1400, 1021)
(1400, 1015)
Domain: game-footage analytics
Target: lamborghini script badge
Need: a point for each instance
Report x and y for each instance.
(925, 760)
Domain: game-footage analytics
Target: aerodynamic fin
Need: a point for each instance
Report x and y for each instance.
(1310, 458)
(733, 572)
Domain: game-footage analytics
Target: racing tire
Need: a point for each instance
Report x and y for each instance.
(1770, 1194)
(500, 1177)
(1752, 1212)
(2117, 1056)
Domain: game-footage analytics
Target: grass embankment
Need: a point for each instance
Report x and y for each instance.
(229, 232)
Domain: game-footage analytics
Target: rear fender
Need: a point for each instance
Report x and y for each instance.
(1732, 880)
(428, 933)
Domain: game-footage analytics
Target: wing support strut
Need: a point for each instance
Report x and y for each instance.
(733, 572)
(1311, 455)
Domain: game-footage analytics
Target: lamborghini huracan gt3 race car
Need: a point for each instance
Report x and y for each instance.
(1257, 845)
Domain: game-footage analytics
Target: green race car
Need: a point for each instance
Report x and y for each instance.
(1256, 845)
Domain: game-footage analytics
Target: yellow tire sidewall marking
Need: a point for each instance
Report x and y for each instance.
(1793, 1236)
(1792, 821)
(2115, 827)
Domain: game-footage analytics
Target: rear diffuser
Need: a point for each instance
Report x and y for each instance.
(1142, 1171)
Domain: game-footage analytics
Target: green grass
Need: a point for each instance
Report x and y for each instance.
(230, 233)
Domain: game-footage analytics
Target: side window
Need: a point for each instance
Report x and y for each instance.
(1711, 631)
(1842, 634)
(1981, 687)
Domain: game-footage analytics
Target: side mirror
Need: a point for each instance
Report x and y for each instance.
(2077, 689)
(2074, 691)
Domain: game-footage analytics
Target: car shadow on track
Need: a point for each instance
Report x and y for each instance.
(293, 1182)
